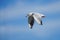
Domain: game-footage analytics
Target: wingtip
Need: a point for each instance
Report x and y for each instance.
(40, 24)
(30, 26)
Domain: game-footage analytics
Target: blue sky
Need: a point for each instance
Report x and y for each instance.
(14, 25)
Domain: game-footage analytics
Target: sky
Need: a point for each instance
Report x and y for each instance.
(14, 23)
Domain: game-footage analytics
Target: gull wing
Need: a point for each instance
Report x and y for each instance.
(37, 18)
(31, 21)
(40, 15)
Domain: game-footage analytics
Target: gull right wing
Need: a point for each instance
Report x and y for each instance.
(37, 18)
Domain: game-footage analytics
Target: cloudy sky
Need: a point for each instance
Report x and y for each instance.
(14, 25)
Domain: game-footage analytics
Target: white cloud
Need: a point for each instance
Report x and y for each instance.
(48, 28)
(53, 7)
(20, 9)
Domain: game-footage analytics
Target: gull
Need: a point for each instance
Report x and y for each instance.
(33, 16)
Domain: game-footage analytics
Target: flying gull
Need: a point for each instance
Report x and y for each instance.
(33, 16)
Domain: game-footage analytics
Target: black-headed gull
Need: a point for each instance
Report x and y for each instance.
(35, 16)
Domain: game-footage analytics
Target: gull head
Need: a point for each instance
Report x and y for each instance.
(30, 14)
(43, 16)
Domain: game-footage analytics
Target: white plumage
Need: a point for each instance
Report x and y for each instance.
(35, 16)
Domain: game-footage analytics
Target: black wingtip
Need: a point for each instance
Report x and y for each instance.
(41, 23)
